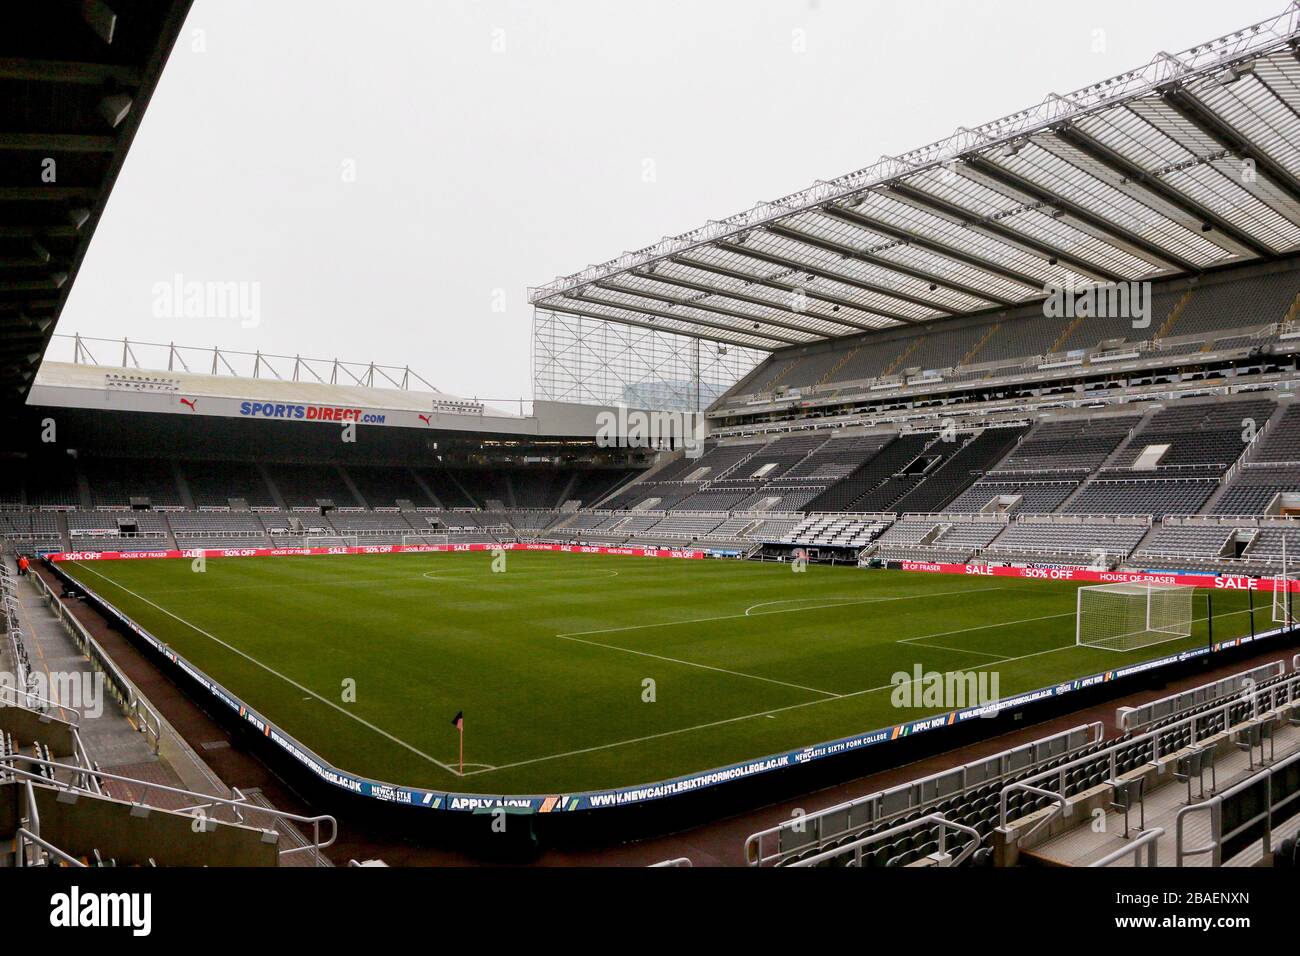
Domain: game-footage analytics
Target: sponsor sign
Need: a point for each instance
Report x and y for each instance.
(688, 553)
(1056, 572)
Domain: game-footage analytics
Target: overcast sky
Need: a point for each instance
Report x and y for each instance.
(390, 176)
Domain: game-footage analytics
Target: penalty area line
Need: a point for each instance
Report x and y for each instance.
(707, 667)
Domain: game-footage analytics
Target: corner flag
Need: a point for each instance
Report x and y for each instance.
(459, 723)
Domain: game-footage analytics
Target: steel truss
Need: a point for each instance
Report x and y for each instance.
(594, 361)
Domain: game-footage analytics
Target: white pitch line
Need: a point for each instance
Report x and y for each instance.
(1029, 620)
(841, 602)
(958, 650)
(587, 572)
(270, 670)
(399, 580)
(742, 717)
(707, 667)
(792, 610)
(981, 627)
(683, 730)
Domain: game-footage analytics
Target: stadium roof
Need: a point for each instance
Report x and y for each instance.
(1189, 163)
(75, 79)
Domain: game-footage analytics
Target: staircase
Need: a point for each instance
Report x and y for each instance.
(830, 375)
(1175, 314)
(773, 385)
(1109, 461)
(969, 357)
(1064, 337)
(897, 363)
(1293, 311)
(1246, 455)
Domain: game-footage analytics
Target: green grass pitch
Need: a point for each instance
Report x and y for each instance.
(549, 659)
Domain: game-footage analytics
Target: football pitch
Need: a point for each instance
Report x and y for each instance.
(585, 672)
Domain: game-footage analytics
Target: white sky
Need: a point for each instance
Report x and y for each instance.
(481, 169)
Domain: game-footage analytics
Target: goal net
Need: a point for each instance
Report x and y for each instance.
(1284, 600)
(1126, 616)
(330, 541)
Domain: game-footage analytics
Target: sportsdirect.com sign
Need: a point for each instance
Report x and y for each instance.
(309, 413)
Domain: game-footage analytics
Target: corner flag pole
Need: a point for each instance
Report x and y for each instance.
(459, 723)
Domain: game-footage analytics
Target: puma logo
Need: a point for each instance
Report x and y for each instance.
(426, 420)
(193, 403)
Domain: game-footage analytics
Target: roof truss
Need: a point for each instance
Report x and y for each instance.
(1186, 164)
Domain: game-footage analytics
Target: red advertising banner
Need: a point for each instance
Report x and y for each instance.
(371, 549)
(1226, 582)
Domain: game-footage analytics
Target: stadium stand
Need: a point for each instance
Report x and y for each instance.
(1031, 497)
(1171, 460)
(953, 476)
(446, 490)
(121, 482)
(1186, 318)
(305, 486)
(388, 487)
(883, 468)
(214, 484)
(1157, 497)
(1077, 768)
(1088, 543)
(1067, 445)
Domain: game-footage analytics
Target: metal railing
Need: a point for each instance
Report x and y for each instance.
(238, 807)
(1214, 807)
(14, 697)
(855, 849)
(25, 838)
(1113, 754)
(776, 844)
(1149, 840)
(170, 357)
(1061, 812)
(1133, 718)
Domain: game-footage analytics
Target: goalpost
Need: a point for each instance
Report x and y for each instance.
(330, 541)
(1129, 615)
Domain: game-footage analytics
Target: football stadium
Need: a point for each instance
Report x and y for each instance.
(942, 515)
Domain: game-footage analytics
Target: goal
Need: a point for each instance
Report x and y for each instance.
(428, 537)
(330, 541)
(1129, 615)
